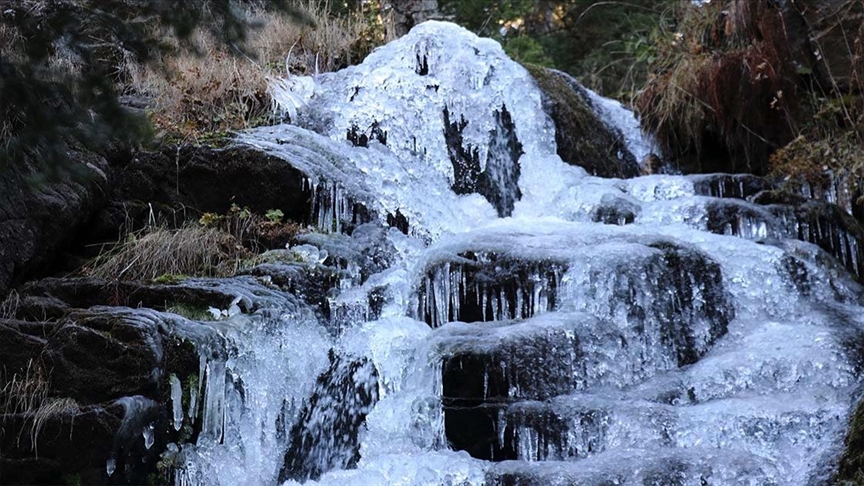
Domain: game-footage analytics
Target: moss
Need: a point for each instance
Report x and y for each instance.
(170, 279)
(191, 312)
(72, 480)
(219, 139)
(273, 256)
(158, 479)
(581, 137)
(190, 383)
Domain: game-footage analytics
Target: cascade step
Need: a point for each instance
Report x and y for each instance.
(695, 467)
(546, 356)
(510, 275)
(580, 426)
(736, 186)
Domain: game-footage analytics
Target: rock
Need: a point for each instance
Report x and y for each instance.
(326, 436)
(39, 216)
(94, 380)
(85, 292)
(832, 29)
(615, 209)
(178, 184)
(823, 224)
(582, 138)
(73, 444)
(21, 347)
(408, 13)
(737, 186)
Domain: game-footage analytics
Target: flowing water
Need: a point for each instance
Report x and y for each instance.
(499, 316)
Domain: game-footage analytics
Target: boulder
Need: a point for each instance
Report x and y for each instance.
(86, 387)
(583, 139)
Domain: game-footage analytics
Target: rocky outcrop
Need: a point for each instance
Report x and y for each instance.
(179, 183)
(87, 386)
(85, 380)
(582, 138)
(47, 223)
(39, 214)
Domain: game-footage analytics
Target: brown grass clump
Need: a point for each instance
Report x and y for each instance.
(157, 251)
(27, 396)
(725, 93)
(210, 87)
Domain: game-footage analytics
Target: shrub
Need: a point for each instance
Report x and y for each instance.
(726, 84)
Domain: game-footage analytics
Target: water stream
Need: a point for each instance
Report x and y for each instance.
(502, 317)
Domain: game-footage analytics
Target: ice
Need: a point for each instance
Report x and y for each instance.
(177, 401)
(149, 437)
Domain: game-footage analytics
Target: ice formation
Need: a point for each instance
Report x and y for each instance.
(658, 330)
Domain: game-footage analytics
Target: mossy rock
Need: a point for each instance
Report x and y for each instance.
(583, 139)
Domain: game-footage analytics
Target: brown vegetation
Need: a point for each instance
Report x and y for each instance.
(219, 245)
(208, 87)
(27, 395)
(191, 250)
(727, 86)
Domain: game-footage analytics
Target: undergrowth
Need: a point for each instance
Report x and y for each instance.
(211, 87)
(731, 90)
(218, 245)
(157, 251)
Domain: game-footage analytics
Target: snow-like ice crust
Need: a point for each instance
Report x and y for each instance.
(765, 401)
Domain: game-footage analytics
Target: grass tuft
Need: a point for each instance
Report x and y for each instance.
(27, 396)
(155, 252)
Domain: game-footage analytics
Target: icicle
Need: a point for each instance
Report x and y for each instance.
(110, 466)
(502, 427)
(149, 436)
(214, 401)
(177, 401)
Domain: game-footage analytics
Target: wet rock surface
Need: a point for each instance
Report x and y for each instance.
(326, 436)
(582, 138)
(81, 369)
(96, 377)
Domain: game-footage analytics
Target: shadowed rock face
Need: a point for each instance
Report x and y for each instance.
(178, 184)
(498, 182)
(41, 221)
(100, 375)
(94, 366)
(38, 218)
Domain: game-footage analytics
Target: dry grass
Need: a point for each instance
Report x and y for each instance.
(27, 396)
(157, 251)
(726, 79)
(9, 306)
(210, 88)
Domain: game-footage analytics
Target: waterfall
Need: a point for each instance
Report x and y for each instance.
(498, 316)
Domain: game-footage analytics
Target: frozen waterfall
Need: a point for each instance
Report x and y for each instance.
(498, 316)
